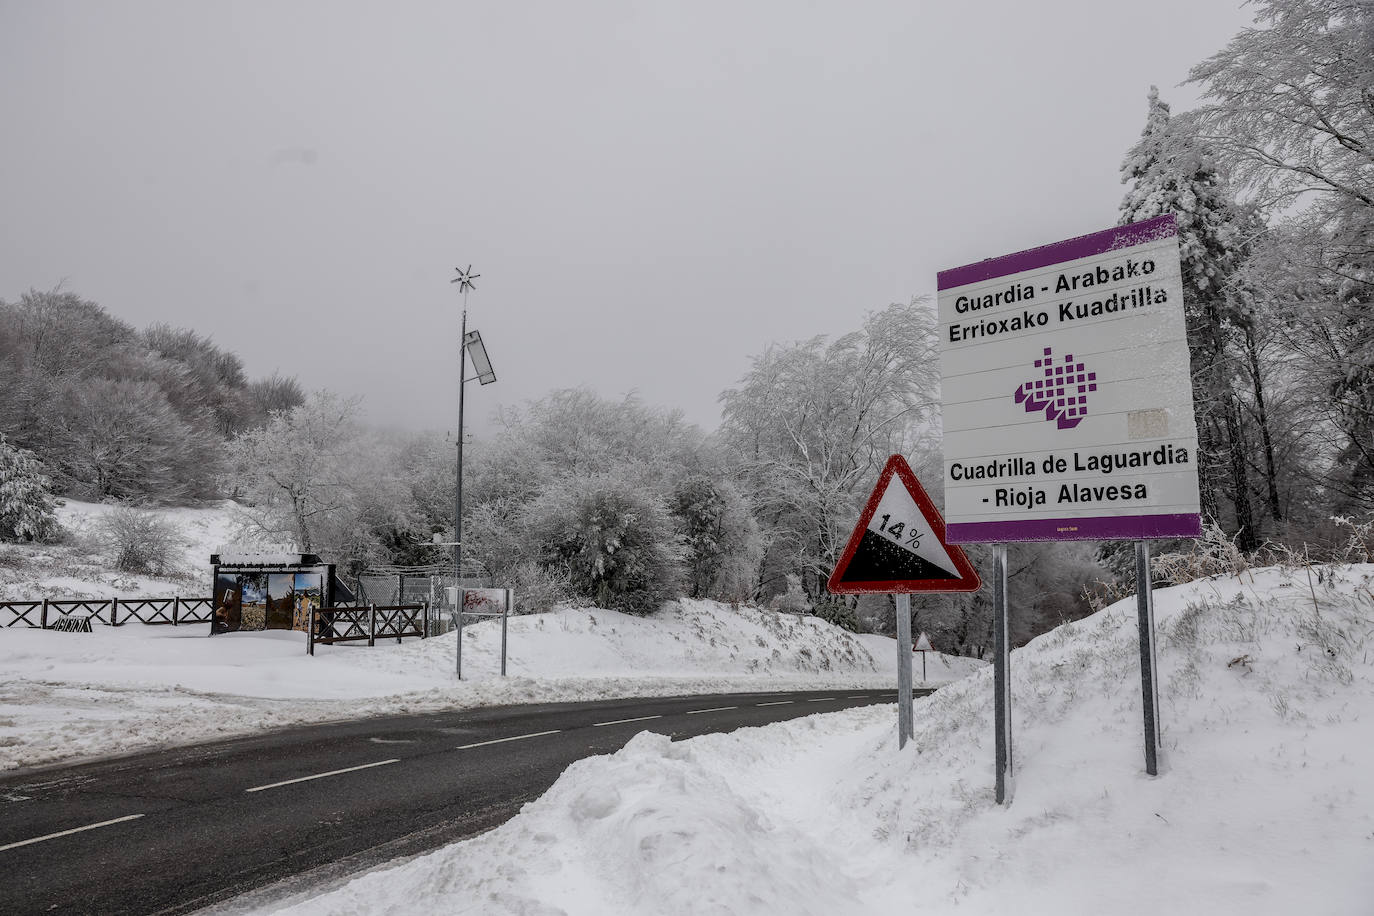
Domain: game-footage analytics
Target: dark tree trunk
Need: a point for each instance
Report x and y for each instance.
(1246, 537)
(1262, 417)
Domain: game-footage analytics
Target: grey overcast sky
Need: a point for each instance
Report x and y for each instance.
(652, 192)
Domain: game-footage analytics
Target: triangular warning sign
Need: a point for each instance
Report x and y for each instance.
(899, 546)
(923, 644)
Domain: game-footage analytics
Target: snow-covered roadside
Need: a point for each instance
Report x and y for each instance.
(70, 695)
(1265, 804)
(76, 695)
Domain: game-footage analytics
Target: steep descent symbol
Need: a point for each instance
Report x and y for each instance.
(1062, 392)
(899, 546)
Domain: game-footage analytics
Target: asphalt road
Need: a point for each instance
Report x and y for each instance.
(177, 830)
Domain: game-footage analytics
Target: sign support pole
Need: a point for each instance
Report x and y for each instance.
(898, 547)
(1149, 685)
(904, 728)
(458, 625)
(505, 612)
(1001, 663)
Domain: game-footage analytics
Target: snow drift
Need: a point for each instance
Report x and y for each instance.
(1265, 803)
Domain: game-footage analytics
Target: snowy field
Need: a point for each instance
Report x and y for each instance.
(77, 569)
(75, 695)
(1265, 803)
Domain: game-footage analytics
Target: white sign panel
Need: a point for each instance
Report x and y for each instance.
(1068, 404)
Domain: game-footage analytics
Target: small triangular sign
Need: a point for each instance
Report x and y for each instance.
(923, 644)
(899, 546)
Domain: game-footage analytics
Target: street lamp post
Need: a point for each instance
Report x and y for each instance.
(467, 342)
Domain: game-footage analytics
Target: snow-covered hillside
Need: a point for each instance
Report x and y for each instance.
(77, 569)
(65, 695)
(1265, 804)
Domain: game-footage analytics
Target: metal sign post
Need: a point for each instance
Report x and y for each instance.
(1149, 685)
(904, 724)
(1001, 671)
(898, 547)
(458, 625)
(482, 600)
(505, 614)
(923, 646)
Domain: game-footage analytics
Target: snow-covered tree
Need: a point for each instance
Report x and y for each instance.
(26, 503)
(298, 469)
(721, 537)
(793, 599)
(614, 537)
(115, 412)
(1171, 171)
(812, 423)
(122, 439)
(266, 396)
(1290, 104)
(528, 487)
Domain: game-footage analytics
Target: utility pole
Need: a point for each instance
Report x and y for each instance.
(464, 281)
(466, 342)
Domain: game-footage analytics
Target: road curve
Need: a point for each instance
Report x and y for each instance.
(177, 830)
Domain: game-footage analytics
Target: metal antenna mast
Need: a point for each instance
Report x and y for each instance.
(464, 281)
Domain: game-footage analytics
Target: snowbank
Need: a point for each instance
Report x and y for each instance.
(1265, 804)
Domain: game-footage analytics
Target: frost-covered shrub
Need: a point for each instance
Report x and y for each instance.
(724, 547)
(1213, 554)
(26, 503)
(838, 612)
(794, 600)
(1359, 545)
(539, 588)
(615, 537)
(137, 541)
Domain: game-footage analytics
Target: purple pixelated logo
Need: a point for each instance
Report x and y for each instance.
(1061, 392)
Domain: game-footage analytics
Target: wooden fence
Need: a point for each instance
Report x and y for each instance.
(370, 622)
(113, 612)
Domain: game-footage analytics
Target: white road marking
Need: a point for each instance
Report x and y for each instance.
(463, 747)
(857, 698)
(53, 836)
(287, 782)
(775, 703)
(623, 721)
(693, 712)
(822, 699)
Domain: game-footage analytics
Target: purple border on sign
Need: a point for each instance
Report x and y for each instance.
(1107, 528)
(1068, 250)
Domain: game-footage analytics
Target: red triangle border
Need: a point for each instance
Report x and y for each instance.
(968, 580)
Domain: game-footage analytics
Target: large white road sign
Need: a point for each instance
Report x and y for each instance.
(1068, 404)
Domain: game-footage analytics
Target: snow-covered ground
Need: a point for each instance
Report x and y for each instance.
(70, 695)
(1265, 804)
(77, 570)
(66, 695)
